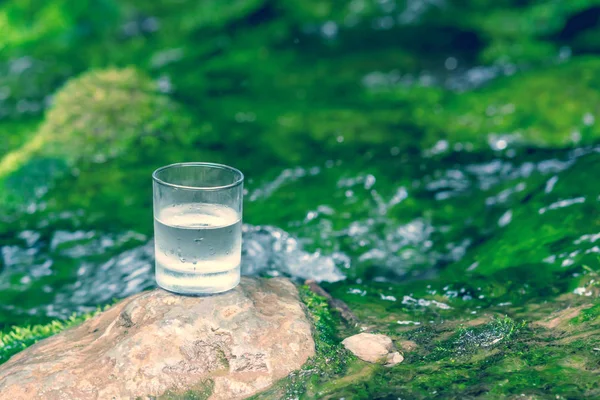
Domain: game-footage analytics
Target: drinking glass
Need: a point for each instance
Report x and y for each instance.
(197, 227)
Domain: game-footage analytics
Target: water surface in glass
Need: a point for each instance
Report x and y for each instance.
(197, 227)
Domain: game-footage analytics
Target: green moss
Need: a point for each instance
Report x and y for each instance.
(25, 24)
(461, 352)
(468, 341)
(506, 108)
(101, 114)
(190, 16)
(414, 117)
(270, 88)
(201, 391)
(19, 338)
(330, 355)
(519, 31)
(16, 133)
(222, 358)
(104, 113)
(97, 117)
(331, 358)
(551, 231)
(495, 360)
(587, 315)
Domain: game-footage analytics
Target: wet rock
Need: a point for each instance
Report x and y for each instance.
(373, 348)
(555, 227)
(393, 359)
(501, 114)
(95, 117)
(156, 343)
(101, 114)
(408, 345)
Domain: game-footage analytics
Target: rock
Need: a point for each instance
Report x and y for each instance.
(393, 359)
(504, 110)
(373, 348)
(561, 319)
(96, 117)
(155, 343)
(554, 228)
(408, 345)
(92, 116)
(102, 114)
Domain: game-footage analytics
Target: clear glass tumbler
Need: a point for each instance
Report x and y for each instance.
(198, 227)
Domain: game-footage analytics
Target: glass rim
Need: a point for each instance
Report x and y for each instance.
(237, 182)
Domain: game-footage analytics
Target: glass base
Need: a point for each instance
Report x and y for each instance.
(197, 283)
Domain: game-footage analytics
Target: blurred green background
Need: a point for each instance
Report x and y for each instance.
(405, 153)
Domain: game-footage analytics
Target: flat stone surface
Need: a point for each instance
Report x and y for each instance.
(226, 346)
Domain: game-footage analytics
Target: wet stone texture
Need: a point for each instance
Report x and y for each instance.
(156, 343)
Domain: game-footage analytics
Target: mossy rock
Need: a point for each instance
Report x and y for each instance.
(464, 349)
(467, 340)
(336, 130)
(102, 114)
(331, 358)
(553, 227)
(555, 107)
(96, 117)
